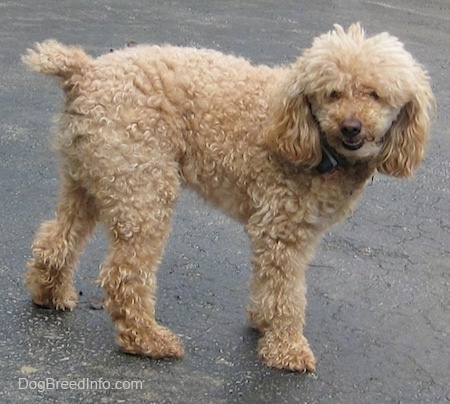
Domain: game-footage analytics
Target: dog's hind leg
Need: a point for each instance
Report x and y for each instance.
(138, 214)
(56, 247)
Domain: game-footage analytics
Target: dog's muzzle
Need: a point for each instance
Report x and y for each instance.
(351, 134)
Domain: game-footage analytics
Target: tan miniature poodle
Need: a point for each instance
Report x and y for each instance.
(287, 151)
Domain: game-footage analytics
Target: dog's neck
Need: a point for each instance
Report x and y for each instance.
(332, 164)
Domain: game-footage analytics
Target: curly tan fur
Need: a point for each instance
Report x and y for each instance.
(140, 122)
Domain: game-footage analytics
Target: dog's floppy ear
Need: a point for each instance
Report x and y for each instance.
(291, 130)
(406, 140)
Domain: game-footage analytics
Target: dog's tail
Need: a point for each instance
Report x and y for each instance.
(52, 58)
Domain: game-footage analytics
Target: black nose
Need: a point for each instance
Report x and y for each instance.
(351, 127)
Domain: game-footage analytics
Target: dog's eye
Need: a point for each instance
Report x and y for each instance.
(374, 95)
(335, 95)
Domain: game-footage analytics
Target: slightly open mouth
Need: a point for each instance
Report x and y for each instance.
(353, 145)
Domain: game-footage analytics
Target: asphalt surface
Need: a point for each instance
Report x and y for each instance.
(378, 289)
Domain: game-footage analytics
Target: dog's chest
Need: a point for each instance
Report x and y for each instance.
(334, 196)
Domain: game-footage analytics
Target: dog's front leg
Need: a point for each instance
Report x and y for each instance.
(277, 307)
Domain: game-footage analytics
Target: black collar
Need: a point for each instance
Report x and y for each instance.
(330, 160)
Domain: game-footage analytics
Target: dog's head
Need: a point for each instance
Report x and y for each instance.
(363, 98)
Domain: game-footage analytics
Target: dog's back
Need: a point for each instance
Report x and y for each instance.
(198, 108)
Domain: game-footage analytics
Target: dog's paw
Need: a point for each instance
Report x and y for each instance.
(286, 352)
(57, 303)
(156, 342)
(46, 297)
(66, 302)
